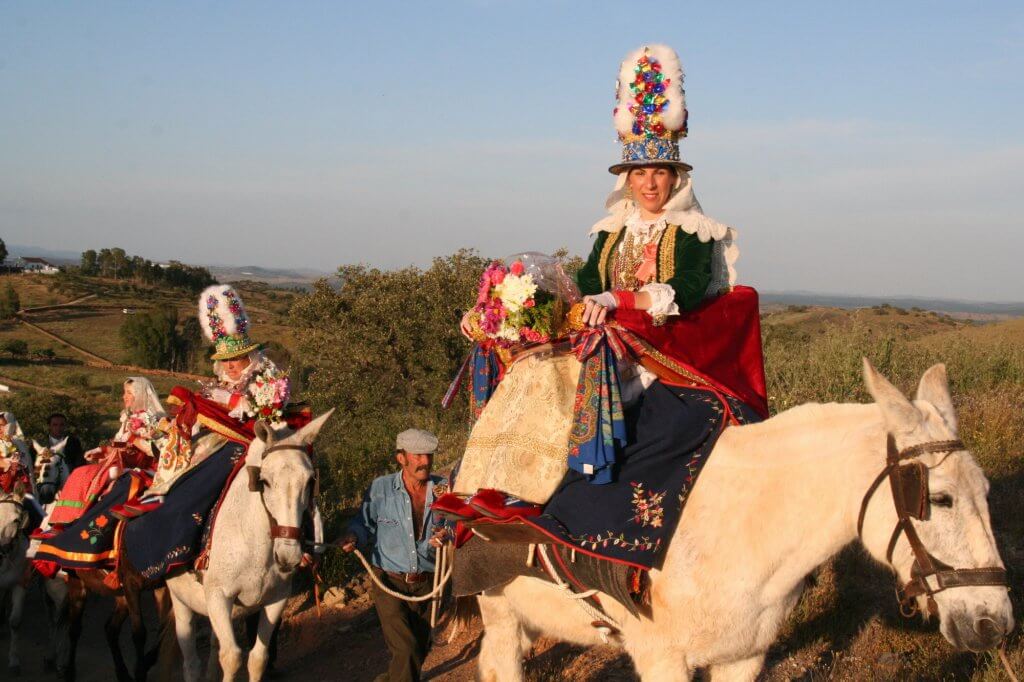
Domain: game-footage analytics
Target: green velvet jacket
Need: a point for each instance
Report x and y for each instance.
(684, 262)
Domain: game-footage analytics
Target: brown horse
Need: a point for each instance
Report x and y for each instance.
(126, 592)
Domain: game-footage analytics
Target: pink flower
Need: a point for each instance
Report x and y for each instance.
(529, 303)
(497, 277)
(517, 268)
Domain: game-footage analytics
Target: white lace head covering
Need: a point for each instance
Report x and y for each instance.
(12, 431)
(682, 209)
(145, 397)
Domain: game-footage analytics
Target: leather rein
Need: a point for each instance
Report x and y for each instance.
(257, 486)
(909, 485)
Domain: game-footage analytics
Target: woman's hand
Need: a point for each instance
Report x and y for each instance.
(596, 308)
(465, 325)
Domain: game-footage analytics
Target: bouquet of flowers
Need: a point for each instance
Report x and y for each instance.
(522, 302)
(269, 392)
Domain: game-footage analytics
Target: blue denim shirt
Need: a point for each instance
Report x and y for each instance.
(384, 524)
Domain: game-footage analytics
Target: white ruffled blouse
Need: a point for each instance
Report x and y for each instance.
(663, 296)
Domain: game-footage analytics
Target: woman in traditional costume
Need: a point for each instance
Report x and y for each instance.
(670, 354)
(136, 445)
(15, 455)
(164, 519)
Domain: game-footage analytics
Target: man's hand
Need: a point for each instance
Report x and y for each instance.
(440, 536)
(347, 542)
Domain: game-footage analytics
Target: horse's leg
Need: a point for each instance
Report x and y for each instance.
(112, 629)
(501, 653)
(269, 617)
(57, 608)
(212, 662)
(183, 623)
(658, 664)
(219, 606)
(17, 608)
(76, 607)
(132, 590)
(166, 656)
(746, 670)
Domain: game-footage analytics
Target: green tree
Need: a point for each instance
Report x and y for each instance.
(10, 303)
(382, 350)
(3, 251)
(90, 263)
(119, 262)
(155, 340)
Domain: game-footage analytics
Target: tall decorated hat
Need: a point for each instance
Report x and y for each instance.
(225, 322)
(650, 109)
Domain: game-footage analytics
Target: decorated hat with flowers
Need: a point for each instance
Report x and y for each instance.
(225, 322)
(650, 109)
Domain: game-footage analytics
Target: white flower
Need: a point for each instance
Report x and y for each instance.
(508, 332)
(514, 291)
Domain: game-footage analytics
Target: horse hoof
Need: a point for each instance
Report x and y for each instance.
(14, 670)
(49, 666)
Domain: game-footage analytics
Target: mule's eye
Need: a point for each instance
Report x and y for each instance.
(942, 500)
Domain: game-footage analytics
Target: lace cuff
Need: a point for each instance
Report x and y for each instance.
(663, 301)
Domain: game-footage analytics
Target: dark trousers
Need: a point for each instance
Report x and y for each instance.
(406, 626)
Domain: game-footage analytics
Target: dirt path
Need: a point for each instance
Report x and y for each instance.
(94, 664)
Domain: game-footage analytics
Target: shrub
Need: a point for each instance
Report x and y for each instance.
(16, 348)
(32, 410)
(77, 380)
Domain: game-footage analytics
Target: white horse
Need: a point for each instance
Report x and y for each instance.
(775, 501)
(51, 470)
(255, 550)
(14, 519)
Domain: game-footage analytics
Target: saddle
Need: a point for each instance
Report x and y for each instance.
(502, 552)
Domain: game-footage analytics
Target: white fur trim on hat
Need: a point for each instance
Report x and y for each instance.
(674, 115)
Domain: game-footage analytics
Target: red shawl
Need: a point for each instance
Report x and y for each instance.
(716, 345)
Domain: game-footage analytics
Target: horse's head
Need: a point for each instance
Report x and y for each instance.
(50, 469)
(281, 472)
(942, 493)
(13, 517)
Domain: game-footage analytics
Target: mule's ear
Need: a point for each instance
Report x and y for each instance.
(264, 432)
(308, 433)
(899, 414)
(39, 448)
(934, 389)
(60, 445)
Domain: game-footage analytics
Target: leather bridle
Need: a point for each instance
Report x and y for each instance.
(909, 485)
(257, 486)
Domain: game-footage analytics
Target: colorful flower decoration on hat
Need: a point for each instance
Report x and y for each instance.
(650, 114)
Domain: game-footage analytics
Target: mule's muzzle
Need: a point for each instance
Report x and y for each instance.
(287, 554)
(980, 633)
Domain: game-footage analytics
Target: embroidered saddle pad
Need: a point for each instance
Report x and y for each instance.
(481, 565)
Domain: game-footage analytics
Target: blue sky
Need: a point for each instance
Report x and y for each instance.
(868, 148)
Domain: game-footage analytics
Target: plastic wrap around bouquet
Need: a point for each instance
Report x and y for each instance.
(551, 393)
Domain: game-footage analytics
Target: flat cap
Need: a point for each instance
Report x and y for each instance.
(416, 441)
